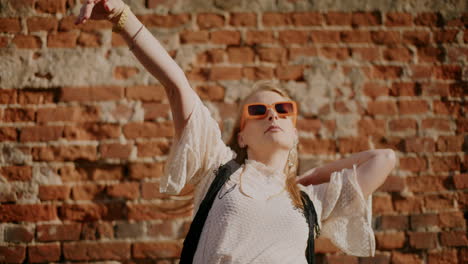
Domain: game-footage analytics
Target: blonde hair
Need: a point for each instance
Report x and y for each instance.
(289, 171)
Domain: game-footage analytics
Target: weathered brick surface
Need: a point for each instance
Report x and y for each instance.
(85, 130)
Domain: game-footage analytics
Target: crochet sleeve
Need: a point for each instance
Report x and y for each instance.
(345, 215)
(199, 149)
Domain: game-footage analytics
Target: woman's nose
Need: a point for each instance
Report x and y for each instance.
(271, 114)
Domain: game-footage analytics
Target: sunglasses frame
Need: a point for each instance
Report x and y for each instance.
(246, 115)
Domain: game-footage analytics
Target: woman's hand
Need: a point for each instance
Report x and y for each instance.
(99, 9)
(309, 177)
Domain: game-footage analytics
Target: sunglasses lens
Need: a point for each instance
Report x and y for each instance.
(255, 110)
(284, 108)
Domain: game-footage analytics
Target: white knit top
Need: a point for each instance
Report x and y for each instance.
(260, 229)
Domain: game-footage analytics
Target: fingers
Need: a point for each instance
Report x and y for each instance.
(85, 12)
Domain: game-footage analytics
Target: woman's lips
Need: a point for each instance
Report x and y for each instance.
(273, 129)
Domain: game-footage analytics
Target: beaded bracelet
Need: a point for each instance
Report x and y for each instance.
(122, 20)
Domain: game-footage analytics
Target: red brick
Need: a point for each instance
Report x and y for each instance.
(436, 123)
(348, 145)
(397, 54)
(430, 54)
(95, 93)
(398, 19)
(403, 89)
(386, 241)
(243, 20)
(142, 212)
(156, 110)
(291, 72)
(413, 163)
(225, 73)
(88, 192)
(381, 108)
(393, 184)
(140, 171)
(27, 212)
(97, 231)
(210, 92)
(452, 220)
(338, 18)
(419, 145)
(117, 40)
(371, 127)
(259, 37)
(423, 240)
(64, 153)
(16, 173)
(18, 234)
(146, 93)
(48, 24)
(366, 19)
(62, 40)
(427, 19)
(408, 204)
(27, 42)
(424, 221)
(376, 259)
(461, 181)
(163, 229)
(454, 239)
(8, 134)
(405, 258)
(212, 56)
(322, 36)
(416, 37)
(446, 256)
(365, 54)
(317, 146)
(194, 36)
(155, 250)
(300, 52)
(399, 222)
(115, 150)
(450, 143)
(148, 130)
(127, 190)
(227, 37)
(41, 133)
(309, 125)
(8, 96)
(355, 36)
(153, 148)
(68, 24)
(335, 53)
(51, 6)
(93, 211)
(441, 202)
(258, 73)
(240, 55)
(10, 25)
(445, 163)
(382, 204)
(337, 259)
(164, 21)
(386, 72)
(272, 54)
(18, 115)
(85, 251)
(208, 20)
(408, 107)
(386, 37)
(44, 253)
(293, 36)
(445, 36)
(307, 19)
(54, 192)
(58, 232)
(13, 254)
(92, 131)
(276, 19)
(36, 96)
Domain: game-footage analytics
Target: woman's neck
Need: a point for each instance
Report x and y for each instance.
(274, 160)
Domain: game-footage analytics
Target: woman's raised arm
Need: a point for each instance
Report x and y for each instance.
(150, 53)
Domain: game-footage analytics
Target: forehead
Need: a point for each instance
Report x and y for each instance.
(266, 97)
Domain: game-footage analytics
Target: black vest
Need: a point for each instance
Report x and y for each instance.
(222, 175)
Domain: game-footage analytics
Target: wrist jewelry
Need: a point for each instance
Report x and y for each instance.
(122, 20)
(135, 37)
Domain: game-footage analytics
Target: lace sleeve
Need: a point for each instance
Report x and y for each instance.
(199, 148)
(345, 215)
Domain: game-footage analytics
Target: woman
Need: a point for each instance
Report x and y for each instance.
(254, 218)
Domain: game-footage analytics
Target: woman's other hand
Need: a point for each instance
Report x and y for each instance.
(309, 177)
(99, 9)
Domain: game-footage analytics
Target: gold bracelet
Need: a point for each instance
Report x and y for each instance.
(122, 20)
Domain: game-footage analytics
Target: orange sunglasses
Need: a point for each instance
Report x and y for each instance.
(259, 111)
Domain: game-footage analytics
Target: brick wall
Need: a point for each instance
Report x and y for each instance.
(85, 129)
